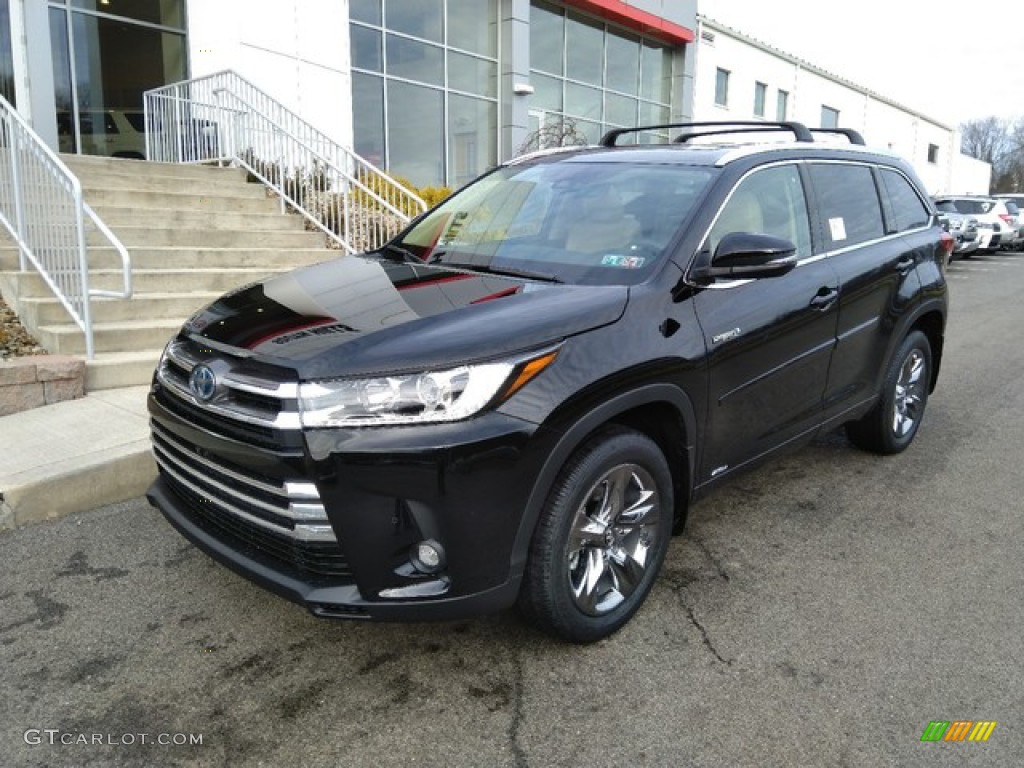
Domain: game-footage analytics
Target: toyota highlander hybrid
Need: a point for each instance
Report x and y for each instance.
(515, 401)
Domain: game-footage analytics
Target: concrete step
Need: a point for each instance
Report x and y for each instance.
(244, 199)
(29, 285)
(143, 236)
(39, 311)
(126, 336)
(152, 181)
(115, 217)
(172, 257)
(115, 166)
(112, 370)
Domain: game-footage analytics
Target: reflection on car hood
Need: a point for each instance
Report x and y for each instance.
(359, 315)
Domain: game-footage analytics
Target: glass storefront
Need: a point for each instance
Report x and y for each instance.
(106, 54)
(600, 76)
(425, 87)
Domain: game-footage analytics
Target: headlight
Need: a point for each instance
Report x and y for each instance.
(431, 397)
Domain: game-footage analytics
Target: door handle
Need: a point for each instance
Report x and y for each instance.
(825, 298)
(904, 265)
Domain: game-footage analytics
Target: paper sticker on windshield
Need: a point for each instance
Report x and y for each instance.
(838, 229)
(626, 262)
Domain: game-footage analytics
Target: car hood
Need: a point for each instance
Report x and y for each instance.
(359, 316)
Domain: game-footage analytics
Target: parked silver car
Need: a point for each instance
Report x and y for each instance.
(963, 228)
(1016, 219)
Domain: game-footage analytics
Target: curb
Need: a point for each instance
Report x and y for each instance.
(108, 477)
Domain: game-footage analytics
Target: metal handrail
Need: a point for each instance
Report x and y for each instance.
(42, 207)
(225, 118)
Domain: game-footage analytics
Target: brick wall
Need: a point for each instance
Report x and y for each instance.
(29, 382)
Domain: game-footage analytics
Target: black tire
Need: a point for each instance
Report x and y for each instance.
(583, 578)
(891, 425)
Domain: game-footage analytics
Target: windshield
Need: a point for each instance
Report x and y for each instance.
(575, 221)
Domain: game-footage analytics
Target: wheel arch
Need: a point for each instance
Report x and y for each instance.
(661, 411)
(932, 323)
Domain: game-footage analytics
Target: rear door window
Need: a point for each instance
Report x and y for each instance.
(906, 210)
(848, 204)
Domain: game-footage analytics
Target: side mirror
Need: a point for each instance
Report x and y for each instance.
(748, 256)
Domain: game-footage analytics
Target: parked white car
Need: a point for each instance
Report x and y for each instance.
(112, 132)
(995, 224)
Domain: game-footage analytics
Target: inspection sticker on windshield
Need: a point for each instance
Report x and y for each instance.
(626, 262)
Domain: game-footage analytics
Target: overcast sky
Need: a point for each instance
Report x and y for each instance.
(908, 50)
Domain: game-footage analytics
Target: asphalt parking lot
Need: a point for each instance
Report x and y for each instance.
(821, 611)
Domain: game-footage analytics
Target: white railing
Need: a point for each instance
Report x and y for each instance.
(42, 208)
(224, 118)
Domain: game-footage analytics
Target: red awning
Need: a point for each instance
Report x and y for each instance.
(625, 15)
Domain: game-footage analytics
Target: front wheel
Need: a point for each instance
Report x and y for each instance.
(891, 425)
(601, 538)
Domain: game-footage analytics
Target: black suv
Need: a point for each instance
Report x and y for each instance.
(515, 400)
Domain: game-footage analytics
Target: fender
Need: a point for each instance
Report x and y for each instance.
(581, 428)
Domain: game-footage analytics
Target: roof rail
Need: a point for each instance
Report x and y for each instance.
(854, 136)
(799, 130)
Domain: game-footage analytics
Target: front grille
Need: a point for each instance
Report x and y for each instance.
(251, 403)
(216, 422)
(283, 519)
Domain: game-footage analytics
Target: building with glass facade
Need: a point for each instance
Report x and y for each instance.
(435, 91)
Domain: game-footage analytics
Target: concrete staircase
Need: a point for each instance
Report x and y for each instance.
(193, 232)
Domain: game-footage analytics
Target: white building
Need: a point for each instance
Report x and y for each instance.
(741, 78)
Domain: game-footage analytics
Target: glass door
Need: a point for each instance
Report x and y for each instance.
(106, 55)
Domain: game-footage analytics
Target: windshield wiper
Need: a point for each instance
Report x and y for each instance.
(504, 271)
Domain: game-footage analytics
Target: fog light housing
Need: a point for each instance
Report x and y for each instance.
(427, 556)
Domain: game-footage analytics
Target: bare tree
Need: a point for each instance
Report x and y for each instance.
(1000, 143)
(986, 139)
(1013, 180)
(561, 132)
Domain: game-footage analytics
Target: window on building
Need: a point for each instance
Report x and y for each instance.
(118, 52)
(6, 54)
(829, 117)
(933, 153)
(425, 87)
(722, 87)
(782, 105)
(595, 75)
(848, 202)
(760, 93)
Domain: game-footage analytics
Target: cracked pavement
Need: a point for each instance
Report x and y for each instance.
(820, 611)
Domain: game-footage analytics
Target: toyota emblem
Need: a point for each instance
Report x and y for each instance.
(203, 383)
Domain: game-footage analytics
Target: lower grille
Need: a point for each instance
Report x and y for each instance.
(324, 560)
(283, 519)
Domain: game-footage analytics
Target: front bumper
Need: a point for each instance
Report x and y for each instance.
(465, 486)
